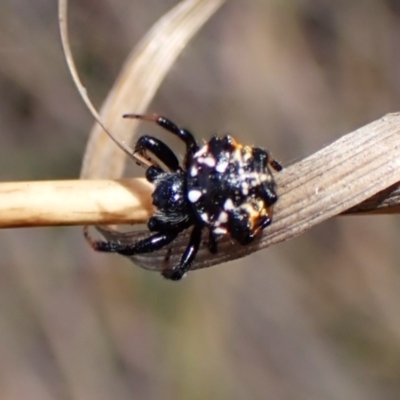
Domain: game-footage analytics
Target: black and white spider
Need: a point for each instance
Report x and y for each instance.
(223, 186)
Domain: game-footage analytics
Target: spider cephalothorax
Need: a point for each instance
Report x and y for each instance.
(223, 186)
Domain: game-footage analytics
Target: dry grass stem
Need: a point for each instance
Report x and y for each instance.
(76, 202)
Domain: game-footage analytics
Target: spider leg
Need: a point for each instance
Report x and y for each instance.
(177, 272)
(183, 134)
(147, 245)
(155, 146)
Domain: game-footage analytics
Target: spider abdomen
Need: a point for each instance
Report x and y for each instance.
(231, 188)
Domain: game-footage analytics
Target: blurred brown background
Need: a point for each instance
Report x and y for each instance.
(314, 318)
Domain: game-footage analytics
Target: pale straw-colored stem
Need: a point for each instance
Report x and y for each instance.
(75, 202)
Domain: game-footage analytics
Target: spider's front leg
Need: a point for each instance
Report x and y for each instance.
(183, 134)
(147, 245)
(158, 148)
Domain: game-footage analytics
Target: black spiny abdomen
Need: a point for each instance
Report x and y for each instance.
(231, 188)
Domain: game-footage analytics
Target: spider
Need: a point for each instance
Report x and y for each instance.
(223, 186)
